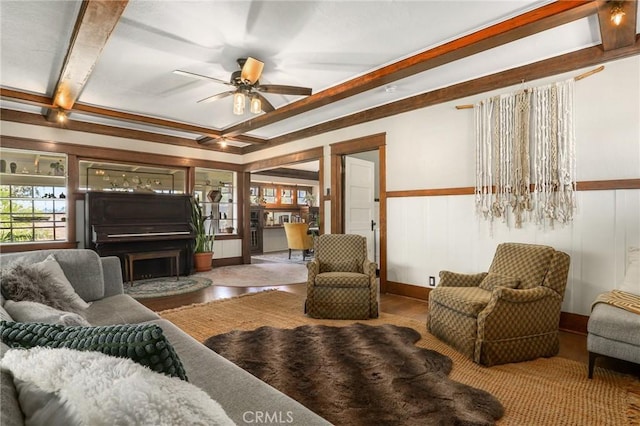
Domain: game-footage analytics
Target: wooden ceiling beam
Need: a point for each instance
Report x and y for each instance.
(95, 23)
(617, 36)
(46, 102)
(533, 22)
(101, 129)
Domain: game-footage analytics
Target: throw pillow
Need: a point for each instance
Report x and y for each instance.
(96, 389)
(493, 280)
(631, 282)
(43, 282)
(143, 343)
(27, 311)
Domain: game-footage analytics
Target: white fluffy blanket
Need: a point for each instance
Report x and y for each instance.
(91, 388)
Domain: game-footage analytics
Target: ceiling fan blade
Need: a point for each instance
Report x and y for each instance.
(216, 97)
(251, 70)
(284, 90)
(201, 77)
(266, 105)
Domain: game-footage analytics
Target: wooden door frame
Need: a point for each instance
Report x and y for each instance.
(244, 184)
(354, 146)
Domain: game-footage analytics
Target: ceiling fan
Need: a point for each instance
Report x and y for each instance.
(246, 81)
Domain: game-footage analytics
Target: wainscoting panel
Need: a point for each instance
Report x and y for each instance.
(430, 234)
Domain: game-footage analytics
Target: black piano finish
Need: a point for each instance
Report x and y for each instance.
(119, 223)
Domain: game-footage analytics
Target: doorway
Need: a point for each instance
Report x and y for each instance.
(371, 145)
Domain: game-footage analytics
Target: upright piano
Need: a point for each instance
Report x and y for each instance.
(119, 223)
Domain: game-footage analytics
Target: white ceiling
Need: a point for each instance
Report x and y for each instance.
(316, 44)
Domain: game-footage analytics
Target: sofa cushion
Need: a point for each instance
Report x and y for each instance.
(65, 386)
(615, 324)
(10, 414)
(465, 300)
(82, 268)
(118, 309)
(43, 282)
(493, 280)
(27, 311)
(143, 343)
(631, 281)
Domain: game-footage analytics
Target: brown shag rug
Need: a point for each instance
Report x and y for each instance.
(547, 391)
(359, 374)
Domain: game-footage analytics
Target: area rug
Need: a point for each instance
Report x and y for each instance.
(282, 257)
(546, 391)
(165, 286)
(359, 374)
(258, 275)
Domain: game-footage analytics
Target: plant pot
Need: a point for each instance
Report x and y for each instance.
(202, 261)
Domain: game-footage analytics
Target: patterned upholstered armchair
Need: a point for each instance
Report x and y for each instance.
(341, 281)
(509, 314)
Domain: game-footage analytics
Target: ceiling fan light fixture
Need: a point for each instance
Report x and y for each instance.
(238, 103)
(617, 12)
(256, 105)
(61, 115)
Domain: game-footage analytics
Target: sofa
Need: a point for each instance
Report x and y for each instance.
(245, 399)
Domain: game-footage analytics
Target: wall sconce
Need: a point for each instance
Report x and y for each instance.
(617, 12)
(256, 105)
(238, 103)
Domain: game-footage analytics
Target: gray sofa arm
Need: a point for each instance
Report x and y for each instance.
(112, 273)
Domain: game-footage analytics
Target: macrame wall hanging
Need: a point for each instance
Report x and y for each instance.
(525, 155)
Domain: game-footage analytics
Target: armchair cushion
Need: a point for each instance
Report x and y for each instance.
(347, 265)
(465, 300)
(493, 280)
(342, 279)
(455, 279)
(528, 262)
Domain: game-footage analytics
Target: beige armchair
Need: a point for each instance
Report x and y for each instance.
(341, 281)
(509, 314)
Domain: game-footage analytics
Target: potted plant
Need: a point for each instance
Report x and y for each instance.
(205, 235)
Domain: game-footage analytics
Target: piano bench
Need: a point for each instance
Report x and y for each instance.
(132, 257)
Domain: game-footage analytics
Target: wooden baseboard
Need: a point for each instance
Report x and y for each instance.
(572, 323)
(227, 261)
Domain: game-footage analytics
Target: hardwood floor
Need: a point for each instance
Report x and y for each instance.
(572, 346)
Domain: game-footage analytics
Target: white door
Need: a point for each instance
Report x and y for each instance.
(359, 200)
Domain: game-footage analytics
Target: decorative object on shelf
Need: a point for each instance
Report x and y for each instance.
(214, 196)
(57, 168)
(13, 167)
(229, 229)
(205, 235)
(3, 166)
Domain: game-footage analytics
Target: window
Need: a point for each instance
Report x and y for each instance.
(33, 199)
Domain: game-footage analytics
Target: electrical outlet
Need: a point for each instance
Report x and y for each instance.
(432, 281)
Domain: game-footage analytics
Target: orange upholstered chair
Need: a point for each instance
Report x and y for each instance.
(297, 238)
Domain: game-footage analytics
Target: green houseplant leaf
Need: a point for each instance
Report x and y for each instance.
(203, 227)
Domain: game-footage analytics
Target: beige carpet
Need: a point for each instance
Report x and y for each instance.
(257, 275)
(552, 391)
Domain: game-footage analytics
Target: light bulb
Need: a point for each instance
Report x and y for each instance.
(256, 105)
(617, 13)
(238, 103)
(61, 116)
